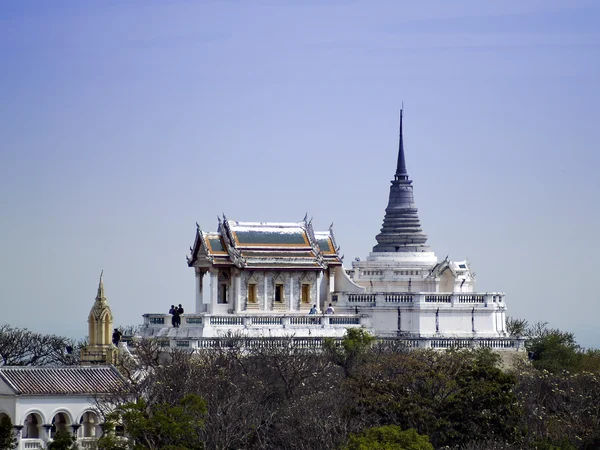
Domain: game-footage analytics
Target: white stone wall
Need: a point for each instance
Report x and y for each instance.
(266, 281)
(422, 321)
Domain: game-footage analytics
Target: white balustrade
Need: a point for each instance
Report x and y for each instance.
(351, 300)
(31, 443)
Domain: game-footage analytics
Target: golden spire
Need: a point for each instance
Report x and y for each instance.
(100, 296)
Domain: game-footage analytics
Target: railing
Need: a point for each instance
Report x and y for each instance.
(361, 298)
(506, 344)
(472, 298)
(344, 320)
(249, 320)
(454, 299)
(193, 320)
(31, 443)
(267, 320)
(90, 443)
(305, 320)
(398, 298)
(444, 298)
(226, 320)
(450, 343)
(498, 343)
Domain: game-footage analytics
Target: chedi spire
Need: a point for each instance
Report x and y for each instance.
(401, 230)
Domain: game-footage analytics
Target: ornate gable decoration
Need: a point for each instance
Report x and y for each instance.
(264, 245)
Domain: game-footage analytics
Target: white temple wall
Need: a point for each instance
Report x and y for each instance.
(455, 322)
(385, 321)
(292, 282)
(447, 282)
(343, 283)
(450, 321)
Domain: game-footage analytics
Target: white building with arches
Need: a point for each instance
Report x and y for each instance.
(41, 401)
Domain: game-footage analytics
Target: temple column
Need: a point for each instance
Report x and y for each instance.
(198, 291)
(331, 283)
(318, 299)
(17, 432)
(291, 308)
(238, 292)
(46, 435)
(214, 291)
(266, 290)
(205, 290)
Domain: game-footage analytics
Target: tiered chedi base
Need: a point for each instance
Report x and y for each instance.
(401, 231)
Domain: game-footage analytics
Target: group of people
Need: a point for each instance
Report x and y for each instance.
(176, 311)
(329, 310)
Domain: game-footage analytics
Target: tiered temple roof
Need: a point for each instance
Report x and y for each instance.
(265, 245)
(401, 231)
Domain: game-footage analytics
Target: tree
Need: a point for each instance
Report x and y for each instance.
(517, 327)
(388, 437)
(452, 397)
(561, 411)
(158, 425)
(8, 440)
(63, 441)
(552, 349)
(354, 347)
(21, 347)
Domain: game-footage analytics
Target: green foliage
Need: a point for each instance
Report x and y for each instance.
(452, 396)
(63, 441)
(158, 425)
(560, 410)
(517, 327)
(352, 350)
(589, 361)
(552, 349)
(8, 441)
(389, 437)
(265, 397)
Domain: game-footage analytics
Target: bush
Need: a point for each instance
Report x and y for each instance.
(389, 437)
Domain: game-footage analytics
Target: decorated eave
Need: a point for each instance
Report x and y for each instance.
(264, 245)
(457, 268)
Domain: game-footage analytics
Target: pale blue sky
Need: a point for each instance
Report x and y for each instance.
(122, 123)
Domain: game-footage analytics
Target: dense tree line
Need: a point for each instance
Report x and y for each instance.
(363, 394)
(354, 394)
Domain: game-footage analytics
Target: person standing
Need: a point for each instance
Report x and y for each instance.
(116, 337)
(179, 314)
(176, 318)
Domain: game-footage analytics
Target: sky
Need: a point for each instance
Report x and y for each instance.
(123, 123)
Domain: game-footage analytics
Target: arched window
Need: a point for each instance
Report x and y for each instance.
(89, 425)
(60, 423)
(31, 426)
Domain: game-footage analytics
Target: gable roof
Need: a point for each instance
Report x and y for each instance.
(264, 245)
(66, 380)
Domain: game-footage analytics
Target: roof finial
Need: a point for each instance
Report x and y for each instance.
(401, 172)
(100, 295)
